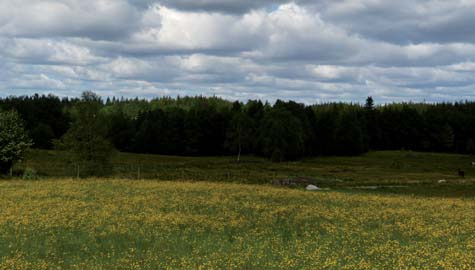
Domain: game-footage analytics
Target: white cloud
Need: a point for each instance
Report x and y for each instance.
(303, 50)
(47, 51)
(38, 81)
(404, 21)
(96, 19)
(173, 30)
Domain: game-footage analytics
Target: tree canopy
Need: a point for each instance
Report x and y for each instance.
(13, 139)
(86, 139)
(200, 126)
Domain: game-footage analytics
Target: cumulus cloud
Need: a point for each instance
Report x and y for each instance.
(303, 50)
(222, 6)
(46, 51)
(404, 21)
(95, 19)
(173, 30)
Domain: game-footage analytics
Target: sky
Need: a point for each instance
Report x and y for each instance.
(309, 51)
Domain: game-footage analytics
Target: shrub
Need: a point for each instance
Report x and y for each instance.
(30, 174)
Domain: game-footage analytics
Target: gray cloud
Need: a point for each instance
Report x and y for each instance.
(222, 6)
(404, 21)
(101, 19)
(309, 51)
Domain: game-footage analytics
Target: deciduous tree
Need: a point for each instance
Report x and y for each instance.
(238, 135)
(14, 140)
(86, 141)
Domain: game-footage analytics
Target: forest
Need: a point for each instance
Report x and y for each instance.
(285, 130)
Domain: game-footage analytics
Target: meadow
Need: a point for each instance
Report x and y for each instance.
(211, 213)
(417, 172)
(130, 224)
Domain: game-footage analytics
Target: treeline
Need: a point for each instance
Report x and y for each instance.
(201, 126)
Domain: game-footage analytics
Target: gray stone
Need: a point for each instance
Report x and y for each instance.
(312, 187)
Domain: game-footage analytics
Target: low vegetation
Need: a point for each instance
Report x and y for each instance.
(378, 209)
(130, 224)
(418, 172)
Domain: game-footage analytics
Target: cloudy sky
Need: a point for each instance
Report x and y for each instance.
(307, 50)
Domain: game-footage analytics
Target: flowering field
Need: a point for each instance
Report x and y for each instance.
(119, 224)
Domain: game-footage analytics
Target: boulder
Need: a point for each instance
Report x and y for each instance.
(312, 187)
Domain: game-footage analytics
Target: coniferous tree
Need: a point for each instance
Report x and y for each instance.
(369, 105)
(349, 138)
(373, 131)
(201, 125)
(446, 137)
(281, 135)
(470, 147)
(254, 109)
(120, 130)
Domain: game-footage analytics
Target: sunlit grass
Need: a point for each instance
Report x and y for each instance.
(125, 224)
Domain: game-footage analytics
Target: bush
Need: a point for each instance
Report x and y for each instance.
(277, 156)
(30, 174)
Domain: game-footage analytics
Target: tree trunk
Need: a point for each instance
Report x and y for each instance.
(239, 153)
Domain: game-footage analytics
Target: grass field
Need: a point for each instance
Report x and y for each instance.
(130, 224)
(160, 212)
(419, 171)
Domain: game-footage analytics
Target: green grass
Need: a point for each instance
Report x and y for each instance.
(212, 213)
(130, 224)
(420, 171)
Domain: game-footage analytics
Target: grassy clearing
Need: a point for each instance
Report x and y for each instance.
(125, 224)
(421, 171)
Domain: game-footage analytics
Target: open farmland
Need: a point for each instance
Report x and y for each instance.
(125, 224)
